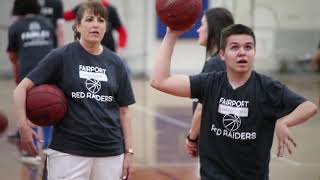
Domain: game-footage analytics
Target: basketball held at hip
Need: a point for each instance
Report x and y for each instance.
(46, 105)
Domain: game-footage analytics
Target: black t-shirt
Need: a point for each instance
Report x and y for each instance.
(52, 9)
(31, 38)
(113, 23)
(213, 64)
(95, 87)
(238, 124)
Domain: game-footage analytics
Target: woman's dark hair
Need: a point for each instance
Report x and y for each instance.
(24, 7)
(235, 29)
(93, 7)
(217, 19)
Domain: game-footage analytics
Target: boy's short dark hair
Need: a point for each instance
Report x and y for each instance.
(235, 29)
(24, 7)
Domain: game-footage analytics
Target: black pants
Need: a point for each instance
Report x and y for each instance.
(210, 171)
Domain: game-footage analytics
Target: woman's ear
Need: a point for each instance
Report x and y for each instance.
(222, 55)
(77, 27)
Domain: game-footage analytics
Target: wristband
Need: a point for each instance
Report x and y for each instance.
(192, 140)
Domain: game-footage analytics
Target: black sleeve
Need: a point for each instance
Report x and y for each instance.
(12, 40)
(48, 70)
(197, 85)
(124, 95)
(214, 66)
(58, 11)
(282, 99)
(114, 18)
(290, 101)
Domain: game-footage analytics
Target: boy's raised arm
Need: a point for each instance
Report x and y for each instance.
(161, 79)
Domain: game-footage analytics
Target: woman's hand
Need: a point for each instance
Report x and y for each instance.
(27, 135)
(127, 169)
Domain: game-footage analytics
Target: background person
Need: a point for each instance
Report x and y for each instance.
(315, 59)
(53, 9)
(30, 38)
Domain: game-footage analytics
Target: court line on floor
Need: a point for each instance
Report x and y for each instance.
(161, 117)
(295, 163)
(173, 164)
(163, 173)
(178, 123)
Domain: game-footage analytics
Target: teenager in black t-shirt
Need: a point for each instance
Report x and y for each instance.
(212, 23)
(240, 107)
(93, 141)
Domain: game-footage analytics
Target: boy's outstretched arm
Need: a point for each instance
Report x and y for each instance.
(161, 79)
(300, 114)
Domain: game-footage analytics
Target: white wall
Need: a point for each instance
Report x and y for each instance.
(140, 20)
(267, 17)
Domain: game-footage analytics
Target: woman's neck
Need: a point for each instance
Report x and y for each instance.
(211, 52)
(92, 48)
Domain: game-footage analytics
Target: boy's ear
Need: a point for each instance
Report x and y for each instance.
(222, 55)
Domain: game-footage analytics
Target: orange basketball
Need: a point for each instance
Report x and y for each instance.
(46, 105)
(179, 14)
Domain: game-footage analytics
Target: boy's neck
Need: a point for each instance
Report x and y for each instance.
(238, 79)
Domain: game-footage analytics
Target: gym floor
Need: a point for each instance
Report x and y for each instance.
(160, 123)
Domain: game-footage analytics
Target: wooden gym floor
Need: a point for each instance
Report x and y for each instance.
(160, 123)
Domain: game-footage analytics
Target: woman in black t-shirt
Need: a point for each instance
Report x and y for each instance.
(93, 141)
(114, 24)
